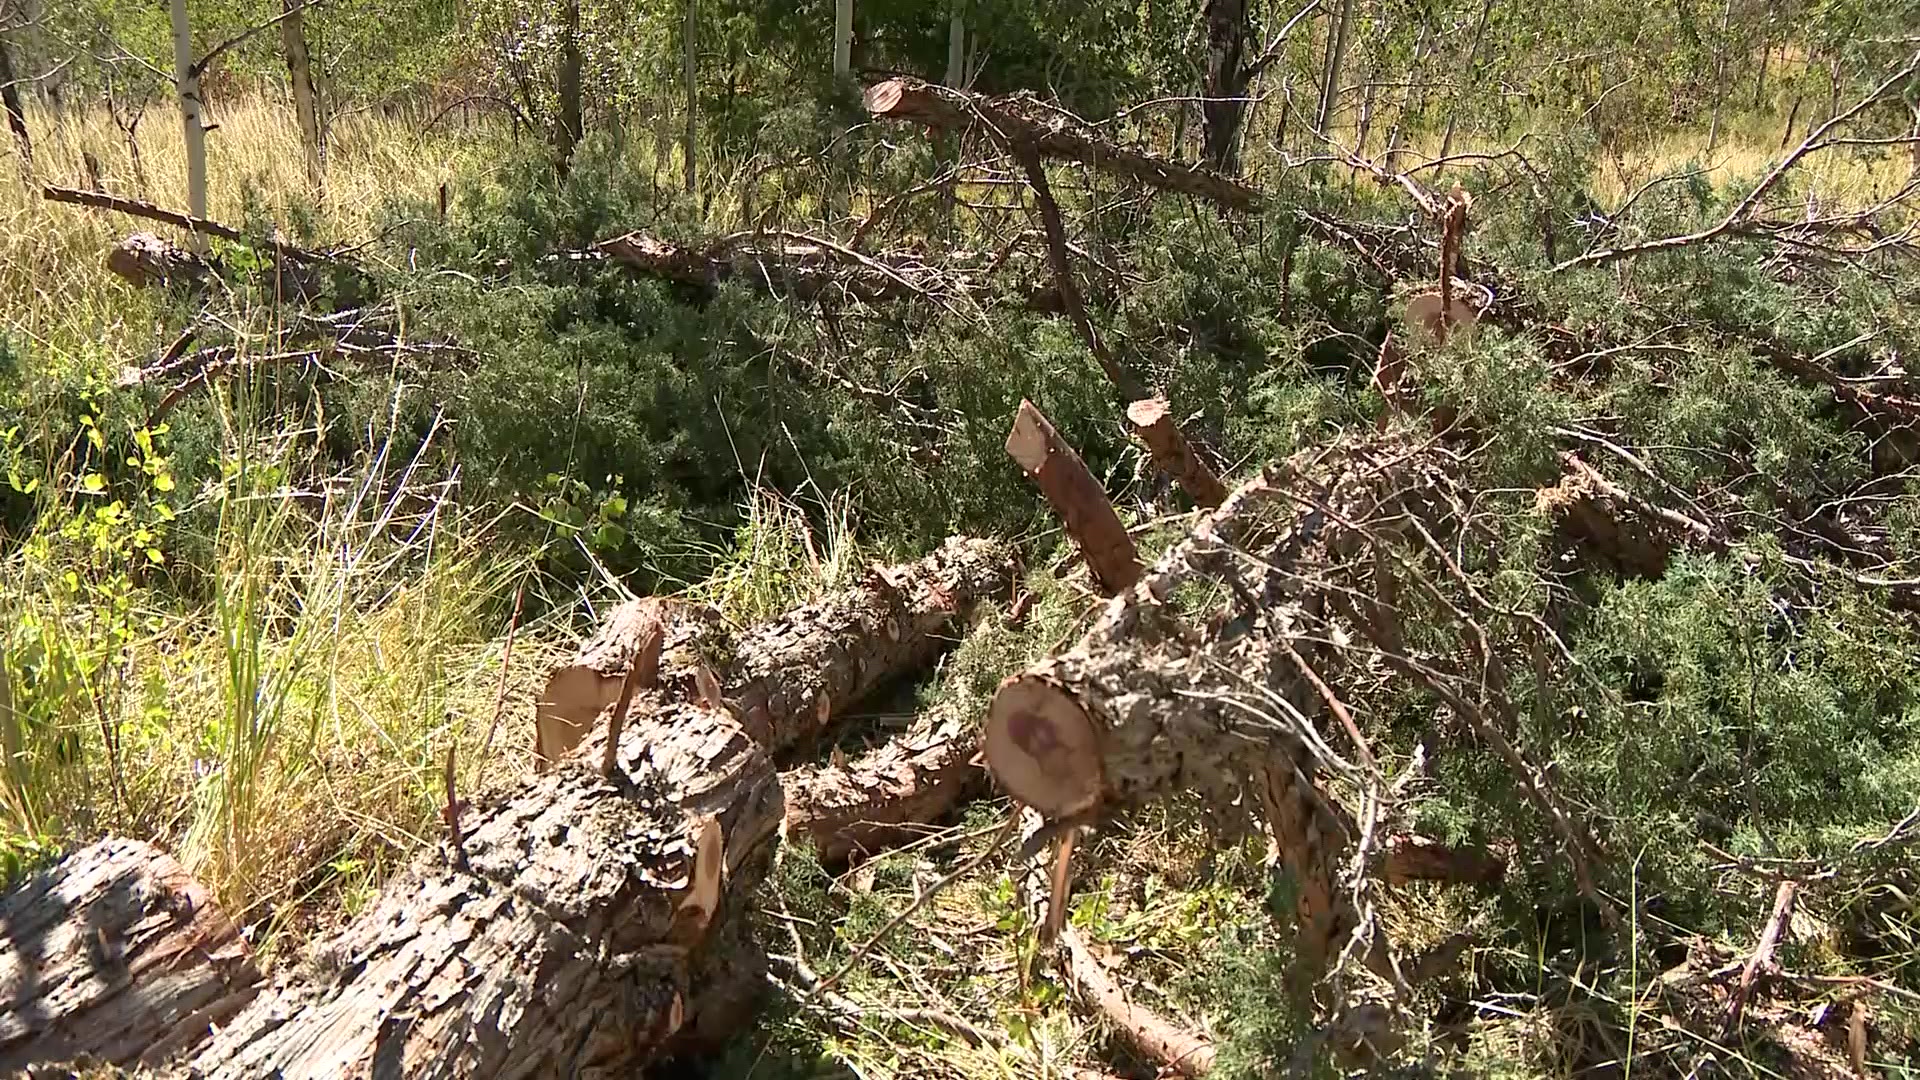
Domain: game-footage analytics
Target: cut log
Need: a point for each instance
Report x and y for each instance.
(1076, 496)
(1152, 420)
(877, 799)
(195, 226)
(116, 953)
(1054, 133)
(579, 931)
(1146, 706)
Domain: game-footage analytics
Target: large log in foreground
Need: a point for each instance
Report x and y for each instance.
(115, 953)
(1051, 131)
(588, 924)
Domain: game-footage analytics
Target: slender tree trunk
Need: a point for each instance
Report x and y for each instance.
(1760, 83)
(186, 84)
(690, 135)
(567, 125)
(1223, 94)
(1336, 57)
(842, 37)
(1466, 78)
(16, 115)
(306, 104)
(1719, 77)
(957, 49)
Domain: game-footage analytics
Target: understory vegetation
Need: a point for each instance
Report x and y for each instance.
(280, 533)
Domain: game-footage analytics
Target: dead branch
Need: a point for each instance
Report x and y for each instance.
(1762, 957)
(1076, 496)
(1152, 420)
(102, 201)
(1148, 1034)
(1739, 215)
(1052, 132)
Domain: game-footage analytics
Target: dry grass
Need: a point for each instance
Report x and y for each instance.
(59, 294)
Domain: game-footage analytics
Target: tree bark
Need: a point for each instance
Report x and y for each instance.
(1053, 134)
(1146, 705)
(10, 101)
(1336, 58)
(1223, 94)
(1152, 420)
(957, 49)
(567, 122)
(186, 87)
(1076, 496)
(582, 926)
(877, 800)
(1152, 1037)
(842, 37)
(690, 134)
(117, 953)
(306, 103)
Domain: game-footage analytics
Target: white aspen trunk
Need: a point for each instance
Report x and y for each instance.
(957, 50)
(186, 85)
(306, 104)
(1336, 56)
(690, 135)
(842, 37)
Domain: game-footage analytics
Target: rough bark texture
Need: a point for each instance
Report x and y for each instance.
(567, 123)
(876, 800)
(1224, 90)
(144, 259)
(117, 954)
(306, 103)
(574, 930)
(555, 943)
(810, 270)
(1152, 420)
(1147, 705)
(1056, 134)
(794, 674)
(1076, 496)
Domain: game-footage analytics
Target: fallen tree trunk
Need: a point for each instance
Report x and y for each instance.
(100, 200)
(587, 923)
(118, 954)
(886, 795)
(1054, 133)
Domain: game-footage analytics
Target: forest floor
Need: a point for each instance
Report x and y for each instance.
(385, 652)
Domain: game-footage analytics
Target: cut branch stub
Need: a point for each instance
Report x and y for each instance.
(578, 692)
(1152, 420)
(1042, 747)
(1076, 496)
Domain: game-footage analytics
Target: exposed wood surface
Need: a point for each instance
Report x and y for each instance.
(1152, 420)
(1076, 496)
(1052, 132)
(117, 953)
(577, 692)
